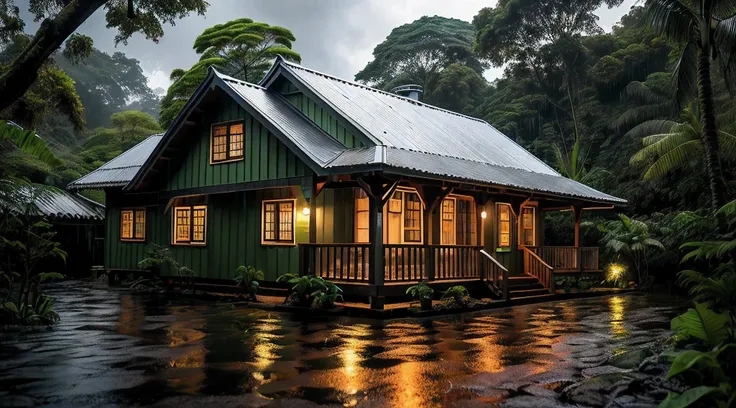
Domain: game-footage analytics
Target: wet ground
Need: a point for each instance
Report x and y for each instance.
(113, 348)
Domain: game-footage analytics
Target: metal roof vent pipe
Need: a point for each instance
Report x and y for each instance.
(411, 91)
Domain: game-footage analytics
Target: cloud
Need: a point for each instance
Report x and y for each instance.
(333, 36)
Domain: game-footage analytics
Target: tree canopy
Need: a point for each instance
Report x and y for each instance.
(241, 48)
(418, 52)
(62, 18)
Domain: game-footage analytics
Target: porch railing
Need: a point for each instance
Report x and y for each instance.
(535, 266)
(345, 262)
(404, 262)
(456, 262)
(566, 258)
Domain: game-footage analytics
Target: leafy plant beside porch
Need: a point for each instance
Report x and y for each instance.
(247, 278)
(311, 291)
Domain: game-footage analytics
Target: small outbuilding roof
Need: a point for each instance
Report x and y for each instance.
(62, 205)
(119, 171)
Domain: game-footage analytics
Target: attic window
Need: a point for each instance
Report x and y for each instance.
(226, 142)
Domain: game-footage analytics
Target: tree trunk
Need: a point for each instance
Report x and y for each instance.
(710, 132)
(50, 35)
(707, 110)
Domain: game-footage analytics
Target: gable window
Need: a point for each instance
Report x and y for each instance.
(278, 222)
(226, 142)
(504, 225)
(528, 221)
(133, 225)
(190, 225)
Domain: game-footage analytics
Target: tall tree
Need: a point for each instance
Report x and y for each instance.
(419, 51)
(62, 18)
(106, 84)
(51, 93)
(241, 48)
(707, 30)
(543, 37)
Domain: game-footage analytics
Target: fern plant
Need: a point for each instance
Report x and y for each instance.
(246, 278)
(456, 296)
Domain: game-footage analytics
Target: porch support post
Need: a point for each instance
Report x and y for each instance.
(375, 189)
(578, 211)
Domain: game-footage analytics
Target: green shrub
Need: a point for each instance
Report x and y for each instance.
(422, 293)
(456, 296)
(247, 277)
(313, 291)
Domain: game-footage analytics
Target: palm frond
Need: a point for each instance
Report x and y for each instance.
(675, 158)
(725, 36)
(727, 144)
(684, 75)
(28, 142)
(651, 127)
(671, 18)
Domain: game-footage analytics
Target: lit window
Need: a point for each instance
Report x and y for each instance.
(412, 218)
(278, 222)
(362, 208)
(527, 226)
(504, 225)
(133, 225)
(190, 224)
(448, 221)
(227, 142)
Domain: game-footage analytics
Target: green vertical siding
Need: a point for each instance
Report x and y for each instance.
(335, 215)
(323, 119)
(233, 236)
(266, 158)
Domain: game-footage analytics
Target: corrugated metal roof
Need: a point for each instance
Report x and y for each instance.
(459, 169)
(63, 205)
(119, 171)
(396, 121)
(309, 138)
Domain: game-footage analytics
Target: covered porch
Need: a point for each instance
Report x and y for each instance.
(400, 231)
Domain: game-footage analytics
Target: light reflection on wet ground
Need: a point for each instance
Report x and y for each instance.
(114, 348)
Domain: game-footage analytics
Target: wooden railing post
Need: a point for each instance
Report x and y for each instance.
(579, 254)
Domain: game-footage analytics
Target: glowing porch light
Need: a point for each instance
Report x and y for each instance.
(483, 215)
(615, 272)
(305, 210)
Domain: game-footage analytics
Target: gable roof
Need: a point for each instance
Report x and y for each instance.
(305, 139)
(395, 121)
(119, 171)
(409, 137)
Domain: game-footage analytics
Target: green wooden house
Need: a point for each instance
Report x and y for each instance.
(308, 173)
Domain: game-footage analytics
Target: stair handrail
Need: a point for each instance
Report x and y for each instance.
(547, 281)
(505, 278)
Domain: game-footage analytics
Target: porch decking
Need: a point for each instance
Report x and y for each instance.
(350, 263)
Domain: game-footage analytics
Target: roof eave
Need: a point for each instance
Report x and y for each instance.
(386, 168)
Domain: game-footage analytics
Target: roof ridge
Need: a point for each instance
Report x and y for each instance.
(380, 91)
(226, 77)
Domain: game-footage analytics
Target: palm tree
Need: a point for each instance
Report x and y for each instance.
(675, 144)
(707, 29)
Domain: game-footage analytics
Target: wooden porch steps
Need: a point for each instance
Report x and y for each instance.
(525, 286)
